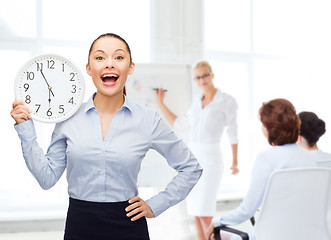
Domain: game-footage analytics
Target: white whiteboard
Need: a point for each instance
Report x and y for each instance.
(176, 79)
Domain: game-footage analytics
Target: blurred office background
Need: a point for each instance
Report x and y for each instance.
(259, 50)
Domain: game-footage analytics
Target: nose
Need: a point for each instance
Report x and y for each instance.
(110, 63)
(201, 80)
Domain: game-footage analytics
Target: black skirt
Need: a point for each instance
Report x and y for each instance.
(102, 221)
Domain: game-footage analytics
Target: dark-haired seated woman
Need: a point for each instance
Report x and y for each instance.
(312, 128)
(280, 125)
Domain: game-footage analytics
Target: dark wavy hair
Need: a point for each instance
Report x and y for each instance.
(282, 123)
(312, 127)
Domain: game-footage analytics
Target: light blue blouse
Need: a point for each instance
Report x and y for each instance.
(323, 159)
(107, 170)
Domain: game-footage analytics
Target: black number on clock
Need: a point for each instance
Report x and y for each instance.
(28, 99)
(72, 76)
(61, 109)
(71, 100)
(26, 86)
(40, 66)
(50, 64)
(38, 107)
(73, 88)
(29, 75)
(49, 112)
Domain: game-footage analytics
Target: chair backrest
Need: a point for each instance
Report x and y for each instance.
(296, 205)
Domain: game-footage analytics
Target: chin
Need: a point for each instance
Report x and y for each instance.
(111, 92)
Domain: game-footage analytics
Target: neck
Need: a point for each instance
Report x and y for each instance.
(108, 104)
(303, 143)
(209, 93)
(312, 148)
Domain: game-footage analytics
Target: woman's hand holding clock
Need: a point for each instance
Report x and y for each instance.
(20, 112)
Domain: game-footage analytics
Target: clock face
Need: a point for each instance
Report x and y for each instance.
(51, 86)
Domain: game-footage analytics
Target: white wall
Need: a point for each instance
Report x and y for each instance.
(177, 31)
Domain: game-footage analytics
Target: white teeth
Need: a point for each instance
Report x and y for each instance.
(110, 75)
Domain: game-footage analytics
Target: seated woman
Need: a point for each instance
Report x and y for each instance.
(312, 128)
(280, 125)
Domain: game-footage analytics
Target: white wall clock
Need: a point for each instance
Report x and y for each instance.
(51, 86)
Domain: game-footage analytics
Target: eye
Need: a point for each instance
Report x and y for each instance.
(99, 58)
(119, 57)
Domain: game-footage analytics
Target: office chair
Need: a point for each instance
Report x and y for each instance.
(296, 205)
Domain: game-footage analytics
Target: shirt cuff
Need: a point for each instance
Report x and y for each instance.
(157, 205)
(216, 222)
(25, 130)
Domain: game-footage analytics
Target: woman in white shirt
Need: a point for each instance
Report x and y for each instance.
(207, 118)
(312, 128)
(280, 125)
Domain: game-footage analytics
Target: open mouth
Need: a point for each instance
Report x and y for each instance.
(109, 79)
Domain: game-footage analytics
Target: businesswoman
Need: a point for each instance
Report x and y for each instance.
(102, 147)
(280, 125)
(312, 128)
(210, 114)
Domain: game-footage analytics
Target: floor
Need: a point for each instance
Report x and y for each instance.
(172, 224)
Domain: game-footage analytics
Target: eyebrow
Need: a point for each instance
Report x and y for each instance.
(99, 50)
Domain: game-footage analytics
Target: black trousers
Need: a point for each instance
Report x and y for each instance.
(102, 221)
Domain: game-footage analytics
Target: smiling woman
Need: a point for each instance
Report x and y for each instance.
(35, 32)
(117, 61)
(104, 201)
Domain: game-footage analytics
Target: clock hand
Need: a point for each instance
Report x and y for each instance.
(44, 77)
(49, 97)
(50, 90)
(49, 87)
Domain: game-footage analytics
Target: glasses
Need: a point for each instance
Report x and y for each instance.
(203, 76)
